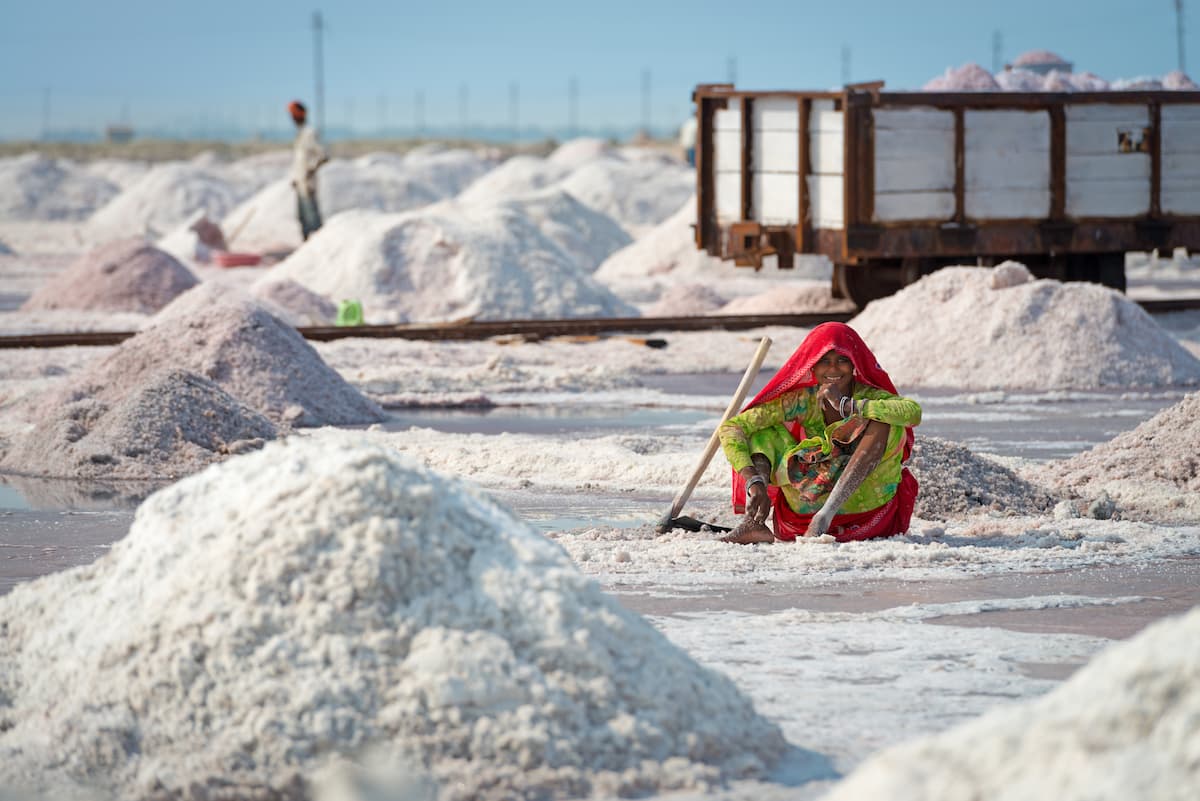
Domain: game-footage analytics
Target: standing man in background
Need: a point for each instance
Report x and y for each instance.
(307, 156)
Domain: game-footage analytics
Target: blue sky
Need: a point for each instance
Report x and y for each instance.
(213, 64)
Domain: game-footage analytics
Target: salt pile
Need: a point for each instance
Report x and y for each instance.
(978, 327)
(956, 482)
(638, 195)
(581, 232)
(1154, 468)
(125, 275)
(969, 77)
(802, 296)
(163, 199)
(683, 300)
(172, 423)
(297, 306)
(1122, 727)
(446, 263)
(307, 603)
(34, 187)
(517, 176)
(259, 360)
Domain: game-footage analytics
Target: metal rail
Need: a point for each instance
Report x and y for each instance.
(530, 329)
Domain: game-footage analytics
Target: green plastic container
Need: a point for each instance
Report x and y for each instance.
(349, 313)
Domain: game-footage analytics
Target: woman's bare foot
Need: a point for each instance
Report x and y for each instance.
(749, 532)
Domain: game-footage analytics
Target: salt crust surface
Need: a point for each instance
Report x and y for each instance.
(1122, 727)
(171, 424)
(319, 599)
(445, 263)
(960, 331)
(255, 357)
(34, 187)
(124, 275)
(1153, 470)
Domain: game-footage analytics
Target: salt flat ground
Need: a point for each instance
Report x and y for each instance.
(849, 648)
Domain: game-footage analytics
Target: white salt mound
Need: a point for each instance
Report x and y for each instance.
(445, 263)
(806, 296)
(162, 200)
(34, 187)
(683, 300)
(585, 235)
(304, 604)
(255, 357)
(1122, 727)
(577, 152)
(954, 329)
(955, 482)
(125, 275)
(518, 175)
(171, 424)
(637, 194)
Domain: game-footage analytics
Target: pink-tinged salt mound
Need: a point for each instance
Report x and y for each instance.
(297, 306)
(1178, 80)
(969, 77)
(796, 297)
(996, 328)
(255, 357)
(127, 275)
(170, 424)
(1122, 727)
(516, 176)
(637, 194)
(1152, 471)
(34, 187)
(323, 600)
(448, 262)
(1018, 80)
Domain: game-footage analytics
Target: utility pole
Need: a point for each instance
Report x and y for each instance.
(318, 73)
(731, 70)
(419, 113)
(1179, 34)
(997, 51)
(646, 102)
(573, 107)
(46, 114)
(514, 110)
(463, 99)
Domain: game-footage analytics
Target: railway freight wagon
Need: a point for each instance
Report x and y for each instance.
(893, 185)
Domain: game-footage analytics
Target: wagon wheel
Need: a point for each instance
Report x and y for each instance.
(865, 282)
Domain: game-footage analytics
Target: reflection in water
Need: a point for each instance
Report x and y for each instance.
(29, 492)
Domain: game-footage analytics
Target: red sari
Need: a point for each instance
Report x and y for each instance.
(891, 518)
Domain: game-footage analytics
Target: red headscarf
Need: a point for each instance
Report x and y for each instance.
(797, 373)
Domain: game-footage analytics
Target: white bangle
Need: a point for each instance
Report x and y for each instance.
(750, 482)
(842, 406)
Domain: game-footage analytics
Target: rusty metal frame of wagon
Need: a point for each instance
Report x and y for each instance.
(862, 237)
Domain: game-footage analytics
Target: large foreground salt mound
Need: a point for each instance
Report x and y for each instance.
(1154, 469)
(125, 275)
(34, 187)
(255, 357)
(447, 262)
(171, 424)
(979, 327)
(1123, 727)
(317, 600)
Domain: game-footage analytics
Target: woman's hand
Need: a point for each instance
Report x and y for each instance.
(758, 502)
(830, 396)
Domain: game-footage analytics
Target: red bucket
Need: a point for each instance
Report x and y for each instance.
(224, 258)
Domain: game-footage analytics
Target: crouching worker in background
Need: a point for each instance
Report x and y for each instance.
(823, 446)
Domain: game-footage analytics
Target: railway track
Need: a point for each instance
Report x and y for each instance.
(530, 329)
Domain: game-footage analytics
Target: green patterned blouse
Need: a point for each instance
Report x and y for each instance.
(761, 430)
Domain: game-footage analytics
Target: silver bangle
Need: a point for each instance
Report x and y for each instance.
(750, 482)
(842, 405)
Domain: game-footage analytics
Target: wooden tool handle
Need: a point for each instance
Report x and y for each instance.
(734, 404)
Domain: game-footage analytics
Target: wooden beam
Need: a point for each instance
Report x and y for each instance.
(804, 221)
(1058, 162)
(747, 158)
(960, 167)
